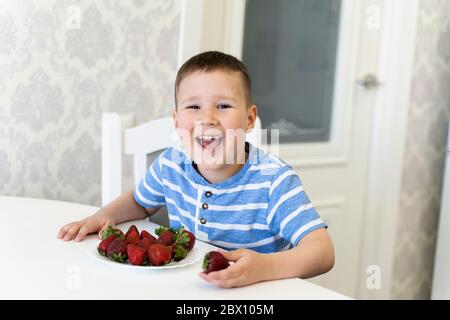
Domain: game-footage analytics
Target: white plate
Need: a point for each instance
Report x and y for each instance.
(193, 256)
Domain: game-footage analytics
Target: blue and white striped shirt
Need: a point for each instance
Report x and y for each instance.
(262, 207)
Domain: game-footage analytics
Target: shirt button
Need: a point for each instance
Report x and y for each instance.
(202, 220)
(208, 194)
(205, 206)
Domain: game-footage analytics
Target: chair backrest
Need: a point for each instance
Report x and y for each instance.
(140, 141)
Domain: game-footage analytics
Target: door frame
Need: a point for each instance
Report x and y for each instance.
(229, 16)
(395, 69)
(399, 23)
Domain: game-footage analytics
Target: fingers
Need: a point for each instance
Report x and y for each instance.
(69, 231)
(233, 255)
(222, 283)
(227, 278)
(240, 273)
(84, 231)
(229, 273)
(80, 229)
(63, 231)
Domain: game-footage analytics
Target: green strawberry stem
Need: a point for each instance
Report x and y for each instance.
(180, 252)
(205, 262)
(118, 257)
(160, 229)
(111, 231)
(181, 238)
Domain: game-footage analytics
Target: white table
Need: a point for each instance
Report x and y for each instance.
(37, 265)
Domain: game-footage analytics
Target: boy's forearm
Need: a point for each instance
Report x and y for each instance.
(309, 259)
(124, 208)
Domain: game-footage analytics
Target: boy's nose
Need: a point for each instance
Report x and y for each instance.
(208, 119)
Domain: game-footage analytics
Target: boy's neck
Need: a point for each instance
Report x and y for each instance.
(217, 176)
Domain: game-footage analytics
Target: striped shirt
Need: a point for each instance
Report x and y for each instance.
(262, 207)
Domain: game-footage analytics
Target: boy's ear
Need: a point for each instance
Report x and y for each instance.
(251, 119)
(175, 118)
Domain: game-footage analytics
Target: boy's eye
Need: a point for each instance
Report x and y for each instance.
(193, 107)
(223, 106)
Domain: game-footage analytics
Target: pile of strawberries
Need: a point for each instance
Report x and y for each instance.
(142, 248)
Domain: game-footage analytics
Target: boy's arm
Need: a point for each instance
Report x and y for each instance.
(313, 256)
(124, 208)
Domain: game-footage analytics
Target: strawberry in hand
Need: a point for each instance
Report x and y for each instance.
(214, 261)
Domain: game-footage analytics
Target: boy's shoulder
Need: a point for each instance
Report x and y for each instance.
(171, 152)
(175, 155)
(267, 164)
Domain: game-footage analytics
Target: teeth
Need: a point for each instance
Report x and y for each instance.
(208, 138)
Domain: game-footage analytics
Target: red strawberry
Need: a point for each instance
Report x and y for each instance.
(146, 234)
(117, 250)
(166, 237)
(104, 244)
(214, 261)
(132, 237)
(146, 243)
(159, 254)
(136, 254)
(132, 228)
(191, 239)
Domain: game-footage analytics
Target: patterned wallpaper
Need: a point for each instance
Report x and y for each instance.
(62, 64)
(424, 154)
(59, 74)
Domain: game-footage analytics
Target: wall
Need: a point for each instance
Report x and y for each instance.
(58, 74)
(56, 78)
(424, 154)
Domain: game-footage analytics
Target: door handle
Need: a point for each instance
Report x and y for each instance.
(369, 81)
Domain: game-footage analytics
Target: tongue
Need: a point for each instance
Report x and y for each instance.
(207, 143)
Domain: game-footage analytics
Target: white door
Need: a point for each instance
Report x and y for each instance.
(324, 116)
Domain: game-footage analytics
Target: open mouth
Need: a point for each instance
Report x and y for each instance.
(208, 142)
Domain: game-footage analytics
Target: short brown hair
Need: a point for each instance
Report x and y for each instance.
(210, 61)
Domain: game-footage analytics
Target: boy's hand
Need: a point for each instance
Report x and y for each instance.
(80, 229)
(248, 267)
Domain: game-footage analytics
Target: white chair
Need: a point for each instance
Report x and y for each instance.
(118, 138)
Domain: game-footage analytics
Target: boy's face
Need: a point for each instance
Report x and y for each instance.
(212, 117)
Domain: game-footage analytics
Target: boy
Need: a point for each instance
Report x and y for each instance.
(223, 189)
